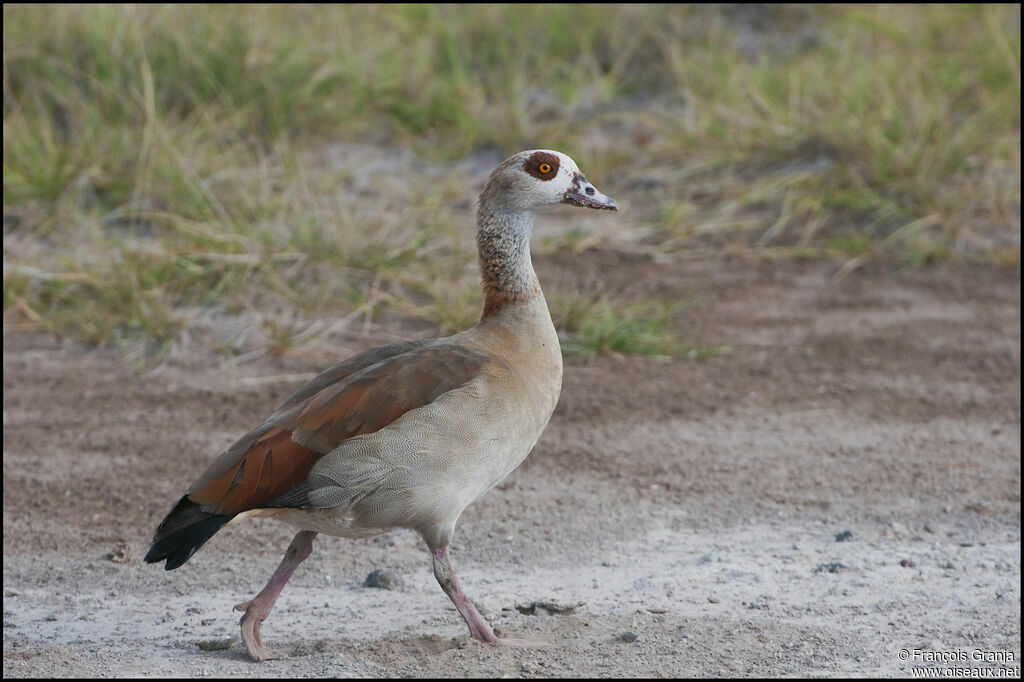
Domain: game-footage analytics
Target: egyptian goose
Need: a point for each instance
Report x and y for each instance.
(405, 435)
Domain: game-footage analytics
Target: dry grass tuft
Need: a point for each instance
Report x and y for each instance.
(163, 161)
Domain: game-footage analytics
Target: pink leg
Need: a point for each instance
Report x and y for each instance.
(478, 627)
(258, 608)
(445, 574)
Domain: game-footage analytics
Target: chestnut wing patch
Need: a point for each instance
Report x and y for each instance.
(268, 464)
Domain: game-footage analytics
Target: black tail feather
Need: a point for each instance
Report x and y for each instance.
(184, 531)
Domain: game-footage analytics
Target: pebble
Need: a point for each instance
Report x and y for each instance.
(119, 555)
(544, 607)
(844, 536)
(629, 636)
(383, 579)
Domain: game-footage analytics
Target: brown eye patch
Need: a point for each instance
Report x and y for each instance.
(542, 165)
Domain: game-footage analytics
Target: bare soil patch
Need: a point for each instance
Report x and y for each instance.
(696, 504)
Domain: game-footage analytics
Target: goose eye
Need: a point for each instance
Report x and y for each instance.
(542, 165)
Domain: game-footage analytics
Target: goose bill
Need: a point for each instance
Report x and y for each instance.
(582, 193)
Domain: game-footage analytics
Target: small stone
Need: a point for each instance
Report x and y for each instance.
(907, 563)
(383, 579)
(713, 600)
(629, 636)
(844, 536)
(833, 567)
(119, 555)
(545, 607)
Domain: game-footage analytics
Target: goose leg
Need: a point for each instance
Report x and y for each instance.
(445, 574)
(478, 627)
(258, 608)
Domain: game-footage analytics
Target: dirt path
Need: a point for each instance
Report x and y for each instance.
(699, 504)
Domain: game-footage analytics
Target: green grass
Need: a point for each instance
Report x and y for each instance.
(589, 326)
(160, 159)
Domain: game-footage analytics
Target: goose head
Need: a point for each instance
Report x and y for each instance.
(537, 179)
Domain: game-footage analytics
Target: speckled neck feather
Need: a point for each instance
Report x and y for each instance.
(506, 271)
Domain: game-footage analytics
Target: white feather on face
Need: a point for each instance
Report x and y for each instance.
(541, 178)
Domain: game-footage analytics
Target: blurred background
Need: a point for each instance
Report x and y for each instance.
(165, 164)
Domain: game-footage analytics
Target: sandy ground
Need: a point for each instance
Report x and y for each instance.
(841, 486)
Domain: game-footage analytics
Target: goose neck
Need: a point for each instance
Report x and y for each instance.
(506, 270)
